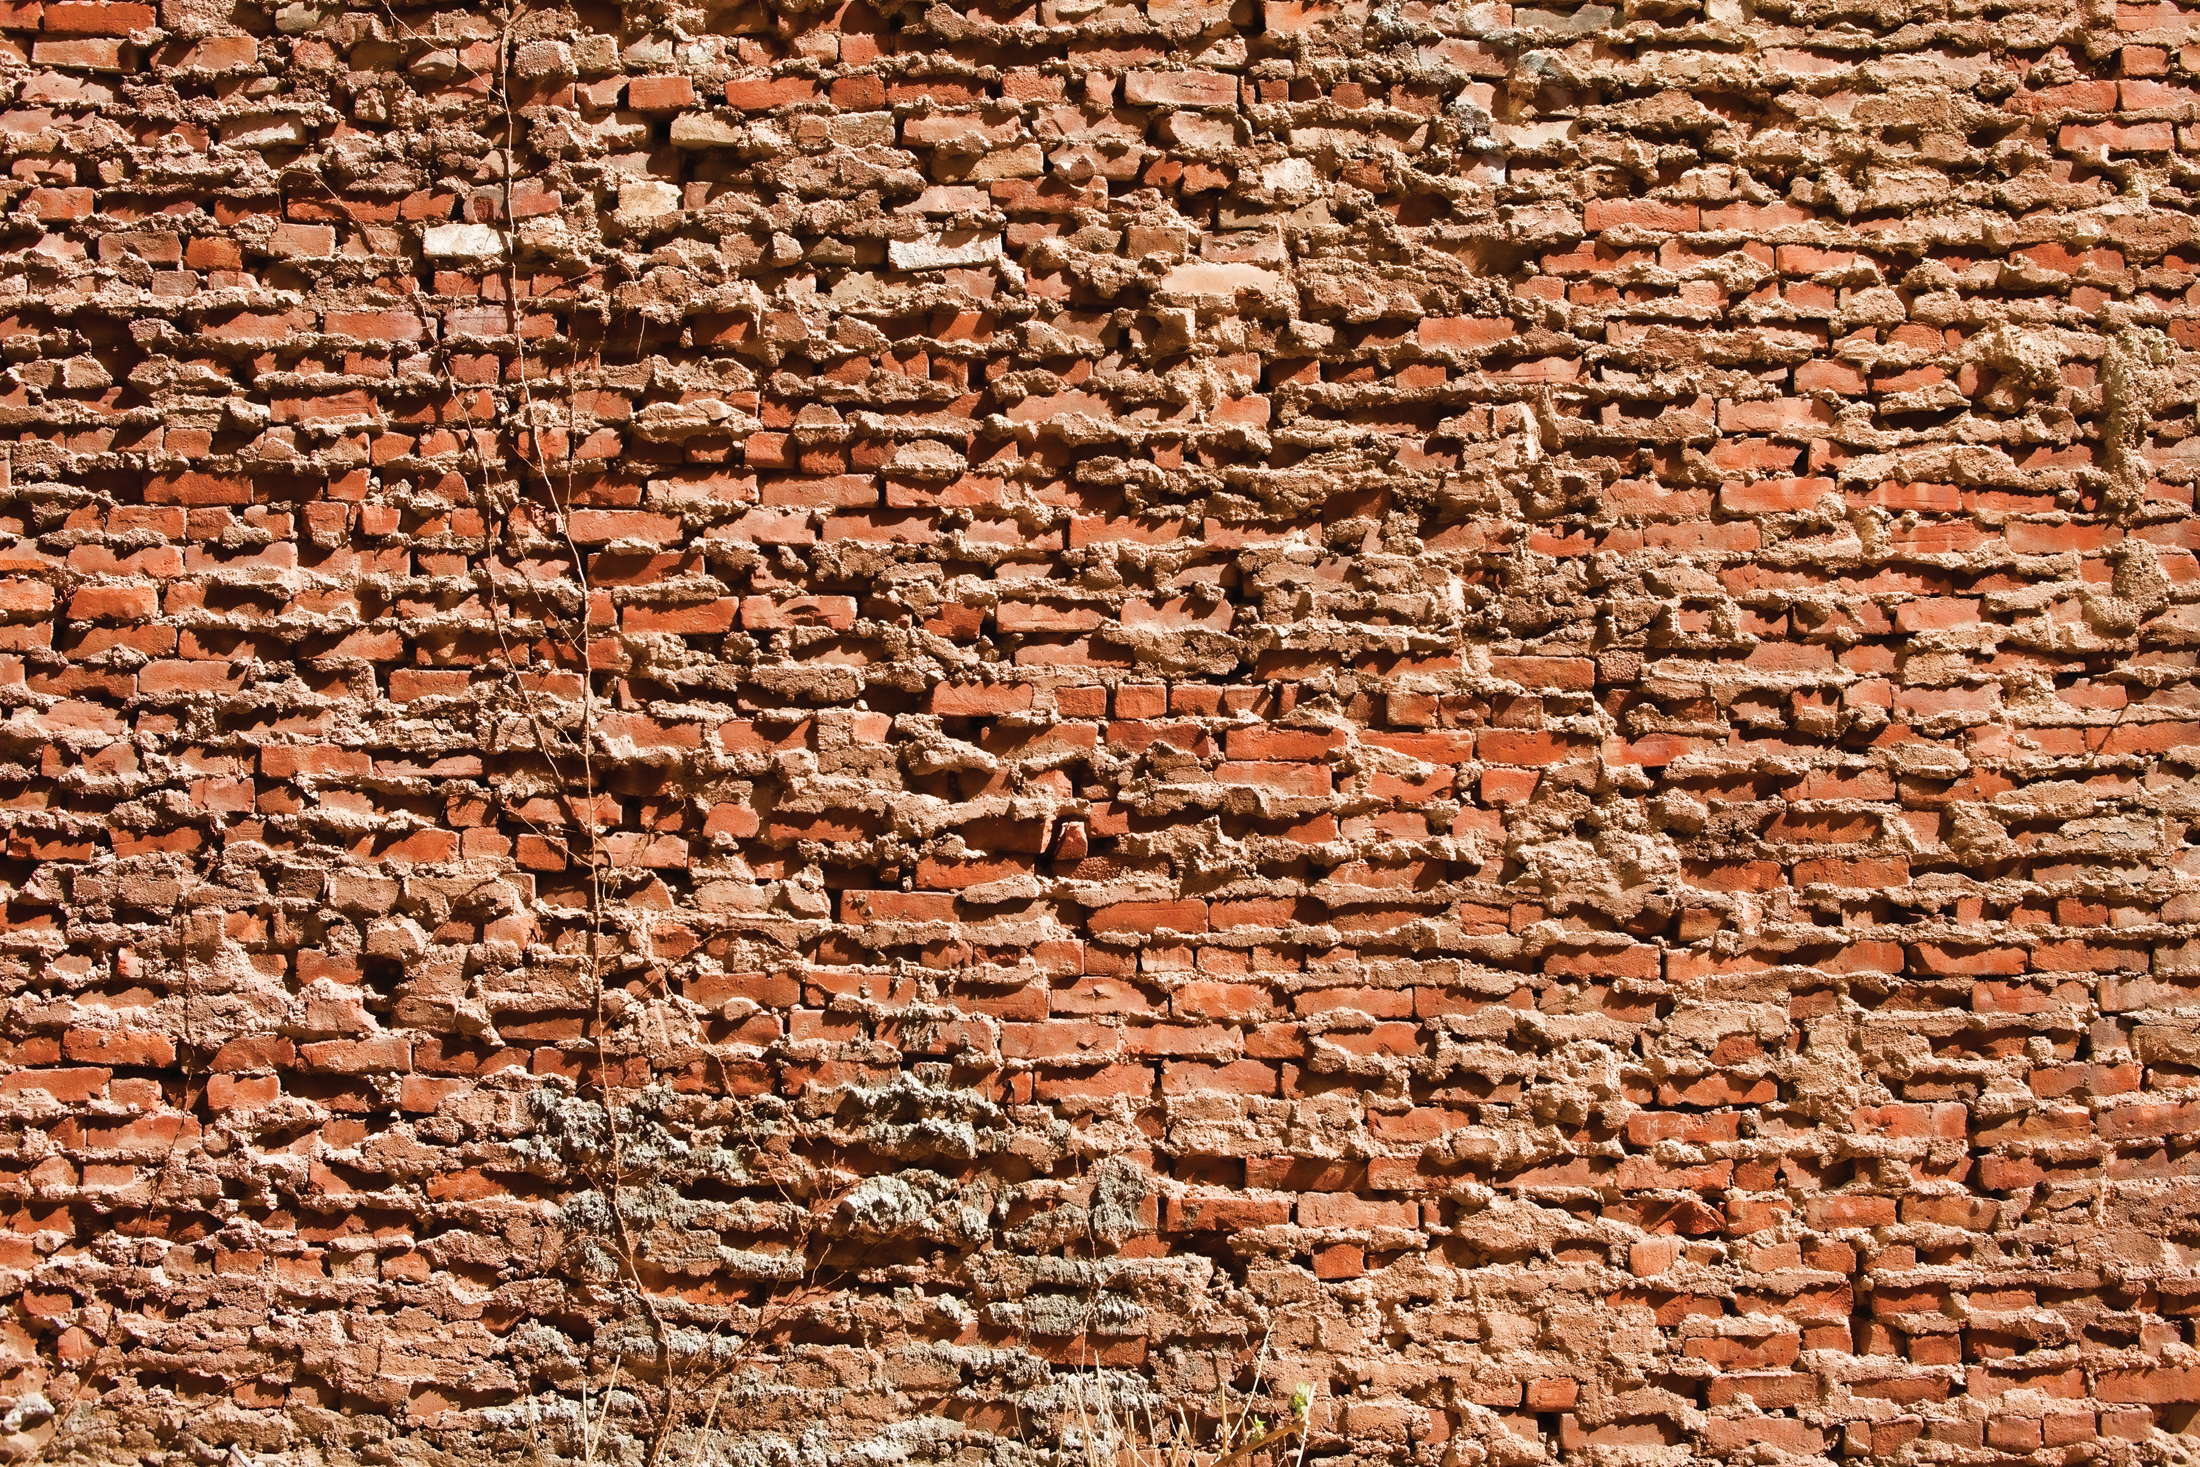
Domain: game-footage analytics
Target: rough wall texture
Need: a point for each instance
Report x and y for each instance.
(774, 736)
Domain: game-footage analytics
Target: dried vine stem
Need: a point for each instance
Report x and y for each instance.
(676, 1386)
(577, 789)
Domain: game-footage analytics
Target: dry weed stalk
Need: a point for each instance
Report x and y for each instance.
(1115, 1432)
(534, 643)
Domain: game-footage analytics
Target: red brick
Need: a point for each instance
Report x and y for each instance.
(1180, 89)
(2119, 137)
(408, 684)
(1262, 743)
(1239, 1077)
(760, 94)
(358, 1057)
(1570, 673)
(1455, 332)
(373, 325)
(1303, 781)
(1535, 749)
(58, 204)
(1774, 496)
(118, 1047)
(764, 612)
(980, 699)
(69, 17)
(1105, 1083)
(1876, 873)
(896, 906)
(255, 1052)
(1852, 1211)
(87, 54)
(70, 1086)
(1343, 1210)
(1902, 1122)
(1149, 917)
(188, 677)
(2149, 1385)
(1603, 214)
(198, 489)
(660, 93)
(1060, 1039)
(702, 618)
(1224, 1213)
(594, 526)
(113, 603)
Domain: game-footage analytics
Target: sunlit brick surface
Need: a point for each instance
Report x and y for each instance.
(779, 737)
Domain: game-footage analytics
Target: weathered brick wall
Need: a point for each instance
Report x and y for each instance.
(791, 735)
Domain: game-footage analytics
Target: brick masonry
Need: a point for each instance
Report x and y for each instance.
(759, 735)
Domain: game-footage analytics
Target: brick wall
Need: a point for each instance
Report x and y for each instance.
(762, 736)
